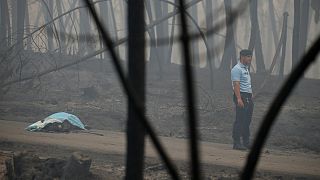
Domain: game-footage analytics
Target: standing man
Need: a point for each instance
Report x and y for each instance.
(242, 97)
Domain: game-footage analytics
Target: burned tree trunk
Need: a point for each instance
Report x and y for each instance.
(84, 39)
(255, 38)
(62, 29)
(210, 38)
(300, 29)
(48, 9)
(77, 167)
(104, 17)
(296, 32)
(171, 37)
(154, 58)
(229, 53)
(165, 9)
(315, 4)
(4, 28)
(273, 23)
(194, 43)
(284, 44)
(107, 13)
(304, 26)
(161, 31)
(136, 68)
(21, 12)
(114, 26)
(27, 25)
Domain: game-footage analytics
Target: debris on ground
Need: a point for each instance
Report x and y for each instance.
(58, 122)
(25, 165)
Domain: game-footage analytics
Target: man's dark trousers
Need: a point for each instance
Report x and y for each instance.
(243, 119)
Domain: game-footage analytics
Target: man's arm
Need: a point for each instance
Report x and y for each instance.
(236, 86)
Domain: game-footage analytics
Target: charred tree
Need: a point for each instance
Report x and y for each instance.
(171, 36)
(165, 9)
(4, 28)
(62, 29)
(280, 47)
(304, 26)
(104, 17)
(273, 23)
(154, 60)
(315, 4)
(194, 43)
(136, 68)
(296, 32)
(14, 23)
(161, 33)
(27, 25)
(47, 8)
(255, 38)
(114, 25)
(284, 44)
(210, 38)
(21, 12)
(107, 13)
(229, 54)
(300, 29)
(84, 41)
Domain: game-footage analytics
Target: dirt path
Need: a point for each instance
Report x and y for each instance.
(212, 153)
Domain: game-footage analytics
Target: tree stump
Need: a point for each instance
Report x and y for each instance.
(77, 167)
(6, 165)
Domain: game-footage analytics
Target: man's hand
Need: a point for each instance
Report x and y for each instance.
(236, 85)
(240, 103)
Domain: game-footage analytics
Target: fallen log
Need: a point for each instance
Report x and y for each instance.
(77, 167)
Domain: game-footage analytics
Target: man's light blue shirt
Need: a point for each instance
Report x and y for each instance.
(240, 72)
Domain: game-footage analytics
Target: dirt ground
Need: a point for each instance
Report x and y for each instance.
(92, 92)
(103, 145)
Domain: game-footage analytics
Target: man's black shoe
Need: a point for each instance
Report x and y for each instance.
(239, 147)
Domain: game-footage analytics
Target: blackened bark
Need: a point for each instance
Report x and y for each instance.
(165, 10)
(108, 18)
(210, 38)
(315, 4)
(62, 28)
(136, 68)
(47, 8)
(9, 33)
(281, 44)
(4, 25)
(84, 40)
(104, 17)
(284, 44)
(255, 38)
(229, 47)
(273, 23)
(154, 59)
(300, 29)
(159, 33)
(171, 37)
(194, 43)
(114, 26)
(27, 28)
(304, 26)
(296, 33)
(21, 11)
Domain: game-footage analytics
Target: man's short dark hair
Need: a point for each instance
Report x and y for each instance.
(245, 52)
